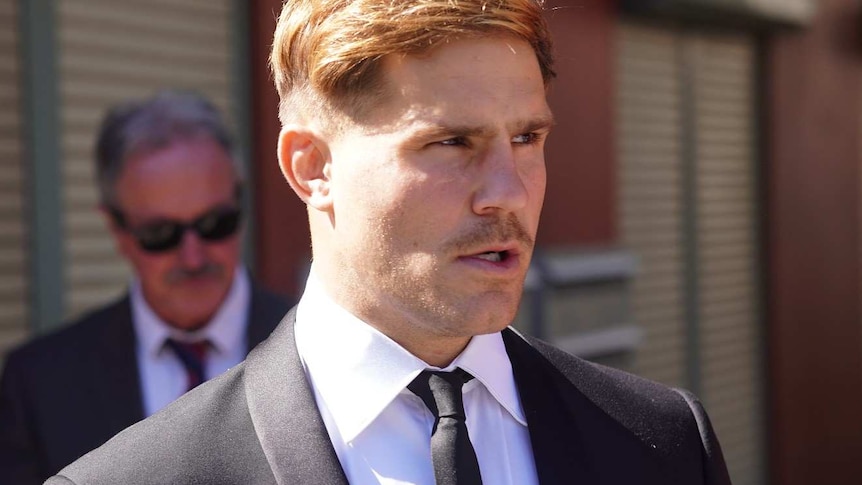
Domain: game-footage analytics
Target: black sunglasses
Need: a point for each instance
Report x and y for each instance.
(156, 237)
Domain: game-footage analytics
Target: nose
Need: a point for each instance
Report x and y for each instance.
(192, 251)
(504, 185)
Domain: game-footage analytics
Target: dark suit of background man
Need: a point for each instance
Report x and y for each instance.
(413, 130)
(170, 189)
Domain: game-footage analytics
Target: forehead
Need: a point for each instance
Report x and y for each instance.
(180, 180)
(465, 81)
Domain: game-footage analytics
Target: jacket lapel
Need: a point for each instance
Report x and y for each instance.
(285, 415)
(115, 369)
(558, 447)
(574, 439)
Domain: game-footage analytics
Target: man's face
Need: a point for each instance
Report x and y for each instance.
(436, 199)
(184, 285)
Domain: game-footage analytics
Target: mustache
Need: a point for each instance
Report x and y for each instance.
(490, 230)
(179, 275)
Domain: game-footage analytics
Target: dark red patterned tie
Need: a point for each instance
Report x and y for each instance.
(193, 357)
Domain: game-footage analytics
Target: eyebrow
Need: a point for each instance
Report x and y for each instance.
(467, 131)
(538, 124)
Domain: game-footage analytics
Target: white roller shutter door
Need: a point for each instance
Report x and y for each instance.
(687, 135)
(14, 270)
(650, 168)
(727, 248)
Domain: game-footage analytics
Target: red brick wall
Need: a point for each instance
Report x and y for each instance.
(580, 204)
(812, 249)
(282, 243)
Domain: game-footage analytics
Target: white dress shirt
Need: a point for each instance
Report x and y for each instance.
(381, 431)
(163, 376)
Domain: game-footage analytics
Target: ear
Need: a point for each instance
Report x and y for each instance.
(305, 162)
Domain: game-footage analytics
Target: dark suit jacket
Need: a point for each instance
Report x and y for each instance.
(258, 424)
(66, 393)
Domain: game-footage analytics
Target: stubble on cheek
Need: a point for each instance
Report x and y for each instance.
(399, 275)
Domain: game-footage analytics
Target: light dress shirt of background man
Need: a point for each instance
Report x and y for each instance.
(414, 132)
(170, 186)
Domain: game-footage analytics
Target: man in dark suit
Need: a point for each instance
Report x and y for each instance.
(170, 190)
(413, 130)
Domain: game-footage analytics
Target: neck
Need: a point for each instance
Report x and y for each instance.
(438, 353)
(422, 338)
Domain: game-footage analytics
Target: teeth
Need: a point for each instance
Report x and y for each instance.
(493, 257)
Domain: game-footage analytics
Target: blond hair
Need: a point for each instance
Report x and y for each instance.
(326, 53)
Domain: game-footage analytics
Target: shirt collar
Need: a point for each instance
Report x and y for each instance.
(223, 331)
(487, 360)
(358, 371)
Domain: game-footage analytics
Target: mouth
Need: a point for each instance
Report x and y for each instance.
(204, 275)
(503, 260)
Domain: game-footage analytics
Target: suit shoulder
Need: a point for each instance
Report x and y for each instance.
(208, 433)
(649, 409)
(72, 339)
(603, 378)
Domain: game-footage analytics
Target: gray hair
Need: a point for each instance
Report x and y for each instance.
(153, 123)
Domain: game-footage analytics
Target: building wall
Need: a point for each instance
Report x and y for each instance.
(813, 240)
(580, 200)
(282, 243)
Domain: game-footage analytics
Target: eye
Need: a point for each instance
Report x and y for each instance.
(208, 221)
(526, 138)
(455, 141)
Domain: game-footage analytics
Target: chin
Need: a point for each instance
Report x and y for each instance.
(191, 324)
(493, 321)
(196, 318)
(499, 324)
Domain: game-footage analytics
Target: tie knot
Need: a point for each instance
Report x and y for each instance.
(441, 391)
(192, 355)
(196, 350)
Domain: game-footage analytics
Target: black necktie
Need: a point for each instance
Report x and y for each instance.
(451, 451)
(192, 355)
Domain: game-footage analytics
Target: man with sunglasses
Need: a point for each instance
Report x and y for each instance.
(170, 191)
